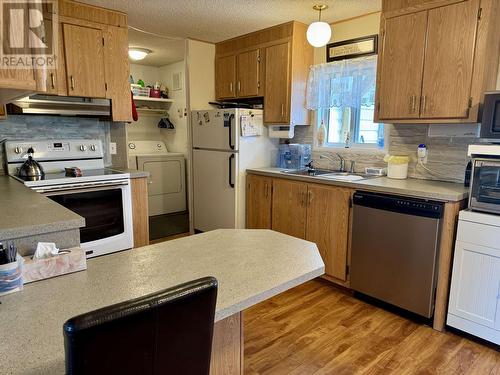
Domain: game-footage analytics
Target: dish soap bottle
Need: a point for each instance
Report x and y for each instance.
(321, 135)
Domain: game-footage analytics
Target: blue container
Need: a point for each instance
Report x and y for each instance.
(11, 276)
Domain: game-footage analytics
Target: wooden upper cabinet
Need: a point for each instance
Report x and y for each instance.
(84, 70)
(225, 77)
(449, 60)
(437, 58)
(247, 77)
(402, 66)
(277, 98)
(117, 72)
(289, 207)
(259, 202)
(328, 226)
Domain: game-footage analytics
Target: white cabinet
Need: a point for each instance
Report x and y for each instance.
(475, 288)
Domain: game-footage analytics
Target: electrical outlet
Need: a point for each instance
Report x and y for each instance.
(112, 148)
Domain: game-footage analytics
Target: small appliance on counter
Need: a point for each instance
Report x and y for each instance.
(293, 156)
(490, 116)
(102, 196)
(397, 166)
(484, 194)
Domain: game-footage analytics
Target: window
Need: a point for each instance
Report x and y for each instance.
(343, 94)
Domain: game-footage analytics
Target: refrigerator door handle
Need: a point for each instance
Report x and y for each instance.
(231, 117)
(231, 183)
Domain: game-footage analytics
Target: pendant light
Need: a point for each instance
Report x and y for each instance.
(138, 53)
(319, 32)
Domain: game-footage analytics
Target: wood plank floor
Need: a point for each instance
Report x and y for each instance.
(319, 329)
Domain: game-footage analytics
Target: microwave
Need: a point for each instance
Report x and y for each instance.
(490, 119)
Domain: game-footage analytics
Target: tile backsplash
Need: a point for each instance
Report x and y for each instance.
(54, 127)
(447, 155)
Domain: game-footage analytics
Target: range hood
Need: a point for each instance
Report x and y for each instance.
(60, 105)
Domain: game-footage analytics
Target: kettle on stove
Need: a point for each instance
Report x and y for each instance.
(31, 168)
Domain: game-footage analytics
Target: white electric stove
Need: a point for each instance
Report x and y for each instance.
(101, 195)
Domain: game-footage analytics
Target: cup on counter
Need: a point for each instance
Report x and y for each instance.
(397, 166)
(11, 276)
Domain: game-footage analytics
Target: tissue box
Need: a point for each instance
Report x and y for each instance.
(11, 277)
(61, 264)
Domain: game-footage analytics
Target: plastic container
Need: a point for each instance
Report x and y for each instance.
(11, 276)
(397, 166)
(293, 156)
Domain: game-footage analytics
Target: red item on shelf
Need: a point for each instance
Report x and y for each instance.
(135, 116)
(155, 93)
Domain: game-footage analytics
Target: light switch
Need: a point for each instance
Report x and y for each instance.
(112, 148)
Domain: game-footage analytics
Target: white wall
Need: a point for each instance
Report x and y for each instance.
(149, 74)
(201, 72)
(350, 29)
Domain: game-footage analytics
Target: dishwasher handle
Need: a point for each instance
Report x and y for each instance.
(399, 204)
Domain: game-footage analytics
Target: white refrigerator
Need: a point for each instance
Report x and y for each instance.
(226, 143)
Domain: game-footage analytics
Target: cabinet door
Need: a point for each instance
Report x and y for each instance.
(328, 226)
(83, 47)
(451, 33)
(475, 284)
(259, 200)
(289, 207)
(401, 66)
(225, 76)
(277, 96)
(117, 71)
(248, 74)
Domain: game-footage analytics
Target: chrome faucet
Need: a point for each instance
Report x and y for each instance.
(352, 169)
(342, 160)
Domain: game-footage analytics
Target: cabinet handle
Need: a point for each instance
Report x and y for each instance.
(413, 103)
(424, 103)
(52, 81)
(231, 87)
(310, 196)
(301, 198)
(266, 192)
(72, 82)
(282, 110)
(239, 86)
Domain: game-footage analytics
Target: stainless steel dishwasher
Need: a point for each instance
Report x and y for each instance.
(394, 252)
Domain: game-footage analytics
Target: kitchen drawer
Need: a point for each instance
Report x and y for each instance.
(479, 234)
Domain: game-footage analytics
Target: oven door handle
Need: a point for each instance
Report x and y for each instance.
(81, 188)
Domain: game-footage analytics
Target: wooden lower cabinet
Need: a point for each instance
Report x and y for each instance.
(289, 207)
(140, 214)
(259, 202)
(328, 226)
(315, 212)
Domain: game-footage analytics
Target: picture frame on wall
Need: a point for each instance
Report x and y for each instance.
(352, 48)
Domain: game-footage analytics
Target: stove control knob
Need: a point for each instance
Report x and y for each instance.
(83, 148)
(93, 147)
(18, 150)
(131, 146)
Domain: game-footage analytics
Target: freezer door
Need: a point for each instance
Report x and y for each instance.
(215, 129)
(214, 191)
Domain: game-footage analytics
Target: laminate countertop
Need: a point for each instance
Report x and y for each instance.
(25, 212)
(250, 266)
(412, 187)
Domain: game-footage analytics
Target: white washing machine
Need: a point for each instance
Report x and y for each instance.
(167, 180)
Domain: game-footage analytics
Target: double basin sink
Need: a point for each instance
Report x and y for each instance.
(330, 175)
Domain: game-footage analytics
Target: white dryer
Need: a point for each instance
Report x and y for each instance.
(167, 175)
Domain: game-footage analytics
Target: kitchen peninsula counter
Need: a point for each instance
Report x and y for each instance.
(25, 212)
(250, 266)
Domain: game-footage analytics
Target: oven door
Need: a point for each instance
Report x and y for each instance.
(107, 210)
(485, 186)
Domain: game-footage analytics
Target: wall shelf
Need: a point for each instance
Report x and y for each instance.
(152, 111)
(154, 100)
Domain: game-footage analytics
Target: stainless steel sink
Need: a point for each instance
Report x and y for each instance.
(306, 172)
(329, 174)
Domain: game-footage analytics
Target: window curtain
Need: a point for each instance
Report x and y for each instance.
(345, 83)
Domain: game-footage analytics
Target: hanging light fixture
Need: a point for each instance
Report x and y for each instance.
(319, 32)
(138, 53)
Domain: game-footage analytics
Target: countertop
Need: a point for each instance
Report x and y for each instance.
(134, 173)
(250, 265)
(25, 212)
(427, 189)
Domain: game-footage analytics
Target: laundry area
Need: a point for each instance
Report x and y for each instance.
(158, 141)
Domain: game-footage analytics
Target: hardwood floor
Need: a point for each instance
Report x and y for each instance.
(319, 329)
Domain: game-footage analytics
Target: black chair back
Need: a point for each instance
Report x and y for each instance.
(169, 332)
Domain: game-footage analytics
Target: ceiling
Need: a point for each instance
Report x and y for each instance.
(217, 20)
(164, 50)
